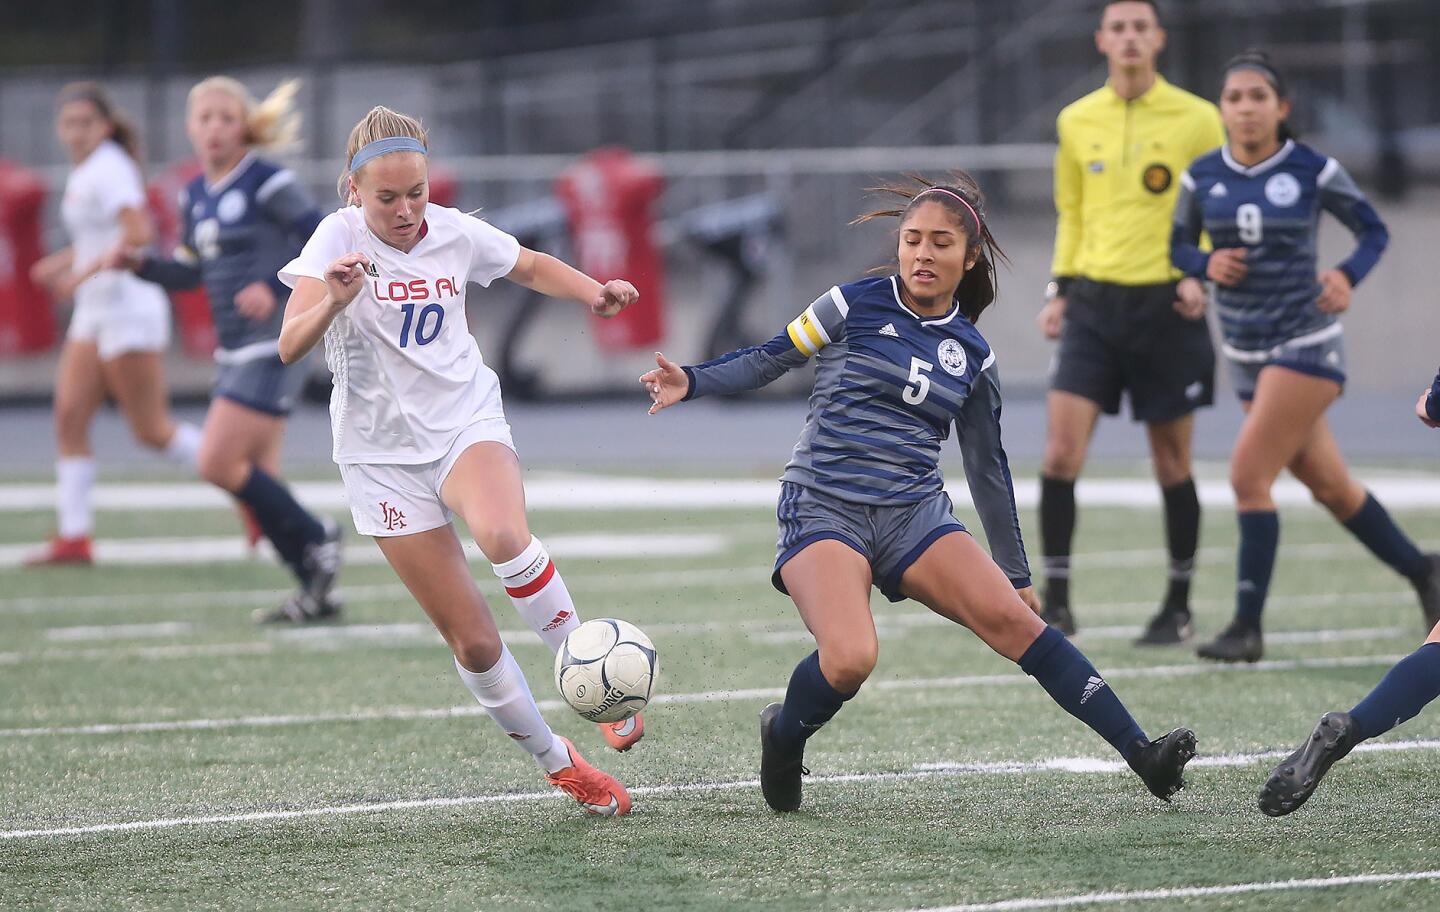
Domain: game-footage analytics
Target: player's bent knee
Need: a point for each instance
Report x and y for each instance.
(476, 653)
(222, 469)
(849, 666)
(502, 544)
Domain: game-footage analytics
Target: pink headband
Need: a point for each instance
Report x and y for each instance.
(963, 202)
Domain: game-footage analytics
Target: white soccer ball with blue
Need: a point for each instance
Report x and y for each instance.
(606, 670)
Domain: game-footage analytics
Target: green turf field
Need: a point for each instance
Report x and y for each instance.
(347, 766)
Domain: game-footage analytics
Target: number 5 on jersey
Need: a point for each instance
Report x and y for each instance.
(916, 394)
(426, 329)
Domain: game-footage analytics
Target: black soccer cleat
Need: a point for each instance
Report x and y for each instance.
(1240, 642)
(1294, 780)
(300, 608)
(1167, 628)
(1428, 588)
(780, 771)
(321, 561)
(1161, 763)
(1059, 617)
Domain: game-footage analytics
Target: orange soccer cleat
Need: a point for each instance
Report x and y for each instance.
(60, 550)
(598, 792)
(624, 734)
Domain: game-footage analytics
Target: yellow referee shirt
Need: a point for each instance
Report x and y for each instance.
(1117, 169)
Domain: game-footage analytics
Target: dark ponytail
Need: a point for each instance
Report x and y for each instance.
(1258, 61)
(122, 130)
(960, 195)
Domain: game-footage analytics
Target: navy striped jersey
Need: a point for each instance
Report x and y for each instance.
(1273, 210)
(889, 384)
(239, 230)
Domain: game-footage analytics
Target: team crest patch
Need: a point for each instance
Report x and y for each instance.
(1157, 178)
(231, 207)
(1282, 189)
(952, 357)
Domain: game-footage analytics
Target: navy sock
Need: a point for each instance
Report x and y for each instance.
(1378, 532)
(810, 702)
(1182, 534)
(1070, 679)
(287, 524)
(1401, 694)
(1057, 529)
(1259, 537)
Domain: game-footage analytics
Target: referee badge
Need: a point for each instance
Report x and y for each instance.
(1157, 178)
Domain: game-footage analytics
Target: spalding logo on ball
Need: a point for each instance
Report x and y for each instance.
(606, 670)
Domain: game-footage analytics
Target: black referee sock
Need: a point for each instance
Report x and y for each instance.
(1057, 530)
(287, 524)
(1182, 534)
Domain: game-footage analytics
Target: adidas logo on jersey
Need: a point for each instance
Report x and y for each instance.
(889, 330)
(372, 271)
(1092, 687)
(1219, 190)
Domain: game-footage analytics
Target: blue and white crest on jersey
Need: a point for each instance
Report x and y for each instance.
(1283, 189)
(231, 207)
(952, 357)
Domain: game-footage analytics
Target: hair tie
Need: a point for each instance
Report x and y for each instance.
(384, 147)
(964, 202)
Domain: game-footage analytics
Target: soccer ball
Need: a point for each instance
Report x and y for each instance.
(606, 670)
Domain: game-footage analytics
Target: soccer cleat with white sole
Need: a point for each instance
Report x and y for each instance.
(624, 734)
(597, 792)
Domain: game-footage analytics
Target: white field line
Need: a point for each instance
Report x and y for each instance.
(620, 493)
(1110, 898)
(1014, 678)
(150, 551)
(1070, 765)
(678, 580)
(407, 634)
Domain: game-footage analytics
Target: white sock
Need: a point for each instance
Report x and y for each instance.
(539, 594)
(74, 477)
(506, 697)
(184, 445)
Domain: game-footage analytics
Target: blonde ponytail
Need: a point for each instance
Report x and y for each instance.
(272, 124)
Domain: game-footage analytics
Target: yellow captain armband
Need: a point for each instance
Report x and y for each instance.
(807, 334)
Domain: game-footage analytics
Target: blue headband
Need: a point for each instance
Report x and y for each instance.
(384, 147)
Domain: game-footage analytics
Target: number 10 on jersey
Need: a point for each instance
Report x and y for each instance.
(427, 326)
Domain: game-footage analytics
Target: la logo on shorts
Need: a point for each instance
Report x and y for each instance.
(952, 357)
(391, 517)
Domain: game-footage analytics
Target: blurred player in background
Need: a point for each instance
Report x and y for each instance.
(120, 325)
(243, 218)
(1122, 325)
(1260, 198)
(862, 501)
(1406, 689)
(419, 427)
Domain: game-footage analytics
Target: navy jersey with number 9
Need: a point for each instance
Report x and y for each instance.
(1272, 209)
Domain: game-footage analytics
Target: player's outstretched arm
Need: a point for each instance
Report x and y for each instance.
(667, 384)
(314, 304)
(987, 473)
(543, 273)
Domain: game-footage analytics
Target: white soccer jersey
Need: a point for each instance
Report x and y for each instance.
(107, 181)
(408, 374)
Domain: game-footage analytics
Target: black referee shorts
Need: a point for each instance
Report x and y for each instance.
(1129, 339)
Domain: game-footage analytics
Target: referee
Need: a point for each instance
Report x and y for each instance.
(1113, 303)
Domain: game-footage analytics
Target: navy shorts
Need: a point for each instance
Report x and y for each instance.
(264, 384)
(891, 538)
(1128, 340)
(1324, 358)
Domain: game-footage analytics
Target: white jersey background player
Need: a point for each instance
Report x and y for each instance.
(120, 325)
(420, 433)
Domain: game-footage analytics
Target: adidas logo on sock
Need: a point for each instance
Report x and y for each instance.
(1092, 687)
(889, 330)
(557, 621)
